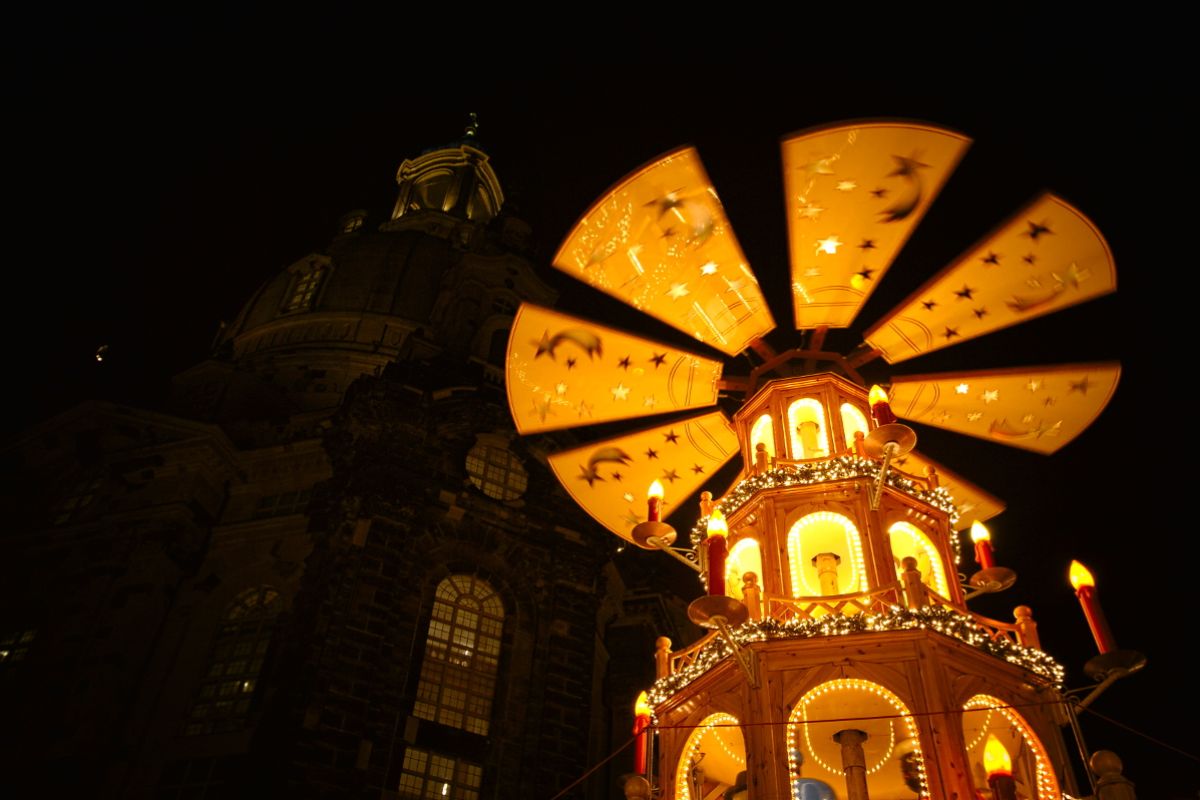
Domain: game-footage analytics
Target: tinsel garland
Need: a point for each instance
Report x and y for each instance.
(937, 618)
(834, 469)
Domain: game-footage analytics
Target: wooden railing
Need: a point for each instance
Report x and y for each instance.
(877, 601)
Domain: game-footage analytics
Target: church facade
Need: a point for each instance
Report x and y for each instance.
(331, 568)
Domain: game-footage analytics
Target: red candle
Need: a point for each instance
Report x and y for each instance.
(1085, 590)
(983, 545)
(654, 502)
(998, 765)
(717, 550)
(881, 411)
(641, 721)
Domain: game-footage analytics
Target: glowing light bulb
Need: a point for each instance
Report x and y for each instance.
(654, 502)
(996, 760)
(716, 523)
(881, 411)
(1079, 576)
(642, 706)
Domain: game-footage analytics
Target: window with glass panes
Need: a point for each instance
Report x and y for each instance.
(462, 655)
(426, 775)
(223, 701)
(304, 290)
(496, 472)
(14, 646)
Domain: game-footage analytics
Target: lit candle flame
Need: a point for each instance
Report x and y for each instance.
(656, 490)
(716, 523)
(979, 532)
(996, 760)
(1080, 576)
(642, 707)
(877, 395)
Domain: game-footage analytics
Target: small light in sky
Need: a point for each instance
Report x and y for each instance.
(101, 352)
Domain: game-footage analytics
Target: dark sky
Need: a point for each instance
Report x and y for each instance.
(144, 211)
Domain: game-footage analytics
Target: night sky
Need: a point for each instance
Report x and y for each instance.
(143, 214)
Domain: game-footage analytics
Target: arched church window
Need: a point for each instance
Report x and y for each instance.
(304, 289)
(424, 774)
(223, 701)
(462, 655)
(496, 472)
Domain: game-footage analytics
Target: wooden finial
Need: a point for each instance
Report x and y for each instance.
(662, 657)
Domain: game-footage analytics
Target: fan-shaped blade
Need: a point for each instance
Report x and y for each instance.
(974, 503)
(610, 478)
(1036, 408)
(660, 242)
(564, 371)
(854, 194)
(1047, 257)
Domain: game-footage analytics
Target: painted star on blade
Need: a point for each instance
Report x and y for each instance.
(980, 313)
(616, 476)
(709, 268)
(620, 392)
(561, 389)
(974, 416)
(846, 186)
(670, 475)
(631, 519)
(696, 468)
(1079, 386)
(906, 166)
(672, 437)
(589, 475)
(879, 193)
(678, 290)
(627, 497)
(585, 408)
(624, 363)
(865, 273)
(544, 346)
(542, 408)
(929, 305)
(962, 388)
(950, 333)
(966, 293)
(990, 396)
(651, 453)
(648, 402)
(867, 244)
(819, 166)
(570, 363)
(667, 202)
(991, 259)
(1036, 229)
(810, 211)
(828, 245)
(1033, 385)
(1029, 258)
(658, 359)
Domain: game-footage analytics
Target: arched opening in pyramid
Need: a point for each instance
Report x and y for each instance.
(744, 557)
(909, 540)
(825, 556)
(988, 719)
(713, 759)
(890, 744)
